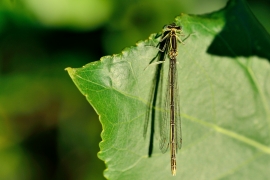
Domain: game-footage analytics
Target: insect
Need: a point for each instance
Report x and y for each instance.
(170, 124)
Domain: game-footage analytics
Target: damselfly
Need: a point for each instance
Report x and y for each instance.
(170, 124)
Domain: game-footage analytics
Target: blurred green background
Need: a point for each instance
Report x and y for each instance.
(47, 128)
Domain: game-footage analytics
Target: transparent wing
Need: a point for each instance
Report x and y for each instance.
(151, 98)
(165, 121)
(177, 117)
(164, 125)
(160, 58)
(149, 108)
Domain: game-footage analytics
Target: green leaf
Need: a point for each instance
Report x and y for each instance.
(223, 78)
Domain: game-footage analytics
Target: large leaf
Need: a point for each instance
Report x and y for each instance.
(224, 90)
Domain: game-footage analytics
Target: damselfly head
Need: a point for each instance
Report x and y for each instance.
(172, 26)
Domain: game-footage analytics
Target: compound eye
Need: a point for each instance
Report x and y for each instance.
(178, 27)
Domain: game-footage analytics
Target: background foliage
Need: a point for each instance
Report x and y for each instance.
(47, 128)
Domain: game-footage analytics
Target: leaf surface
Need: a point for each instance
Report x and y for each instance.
(223, 78)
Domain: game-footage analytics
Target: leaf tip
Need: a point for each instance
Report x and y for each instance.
(71, 71)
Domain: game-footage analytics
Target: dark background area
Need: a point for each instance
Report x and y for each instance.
(47, 128)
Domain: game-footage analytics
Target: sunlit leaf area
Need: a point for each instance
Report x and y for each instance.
(48, 130)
